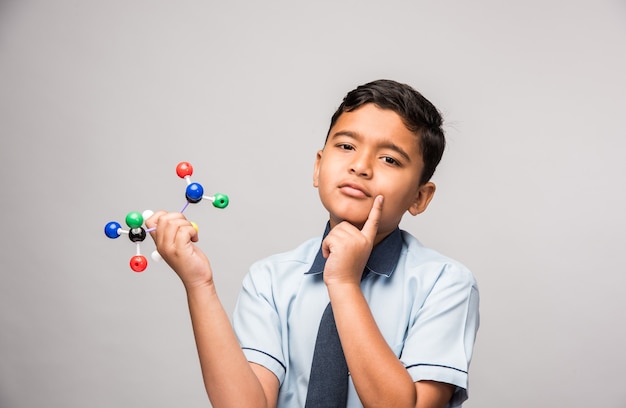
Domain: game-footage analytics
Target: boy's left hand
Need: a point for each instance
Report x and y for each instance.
(347, 248)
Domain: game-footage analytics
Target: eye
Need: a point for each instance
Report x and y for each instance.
(391, 160)
(345, 146)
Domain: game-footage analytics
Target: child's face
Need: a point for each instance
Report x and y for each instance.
(370, 152)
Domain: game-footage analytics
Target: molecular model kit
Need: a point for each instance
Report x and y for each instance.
(194, 193)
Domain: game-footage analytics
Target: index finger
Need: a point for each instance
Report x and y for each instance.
(371, 224)
(152, 219)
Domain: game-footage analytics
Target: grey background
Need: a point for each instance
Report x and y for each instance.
(100, 100)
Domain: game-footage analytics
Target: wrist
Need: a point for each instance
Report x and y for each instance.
(342, 288)
(200, 288)
(352, 279)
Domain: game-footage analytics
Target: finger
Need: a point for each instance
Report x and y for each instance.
(184, 234)
(337, 234)
(169, 228)
(326, 246)
(151, 223)
(154, 219)
(194, 234)
(371, 224)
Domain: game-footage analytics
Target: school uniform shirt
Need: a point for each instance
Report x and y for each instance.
(425, 305)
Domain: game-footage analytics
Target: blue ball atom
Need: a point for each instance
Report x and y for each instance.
(111, 230)
(194, 192)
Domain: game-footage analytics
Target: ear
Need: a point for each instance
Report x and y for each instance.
(425, 193)
(316, 169)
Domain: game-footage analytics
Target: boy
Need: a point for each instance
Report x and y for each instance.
(406, 317)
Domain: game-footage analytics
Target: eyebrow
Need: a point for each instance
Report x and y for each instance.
(384, 145)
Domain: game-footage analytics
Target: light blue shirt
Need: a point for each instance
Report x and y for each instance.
(425, 305)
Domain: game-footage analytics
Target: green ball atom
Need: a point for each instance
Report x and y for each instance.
(220, 200)
(134, 219)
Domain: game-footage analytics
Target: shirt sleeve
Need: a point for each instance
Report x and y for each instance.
(257, 324)
(441, 334)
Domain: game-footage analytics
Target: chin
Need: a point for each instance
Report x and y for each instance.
(356, 221)
(354, 214)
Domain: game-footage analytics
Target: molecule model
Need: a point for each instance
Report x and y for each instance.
(136, 233)
(194, 193)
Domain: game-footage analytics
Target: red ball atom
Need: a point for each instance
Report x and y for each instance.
(138, 263)
(184, 169)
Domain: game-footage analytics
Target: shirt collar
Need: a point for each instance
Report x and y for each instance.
(382, 260)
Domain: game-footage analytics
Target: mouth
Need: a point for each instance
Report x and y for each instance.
(354, 190)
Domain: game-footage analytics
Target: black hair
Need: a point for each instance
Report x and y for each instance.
(418, 114)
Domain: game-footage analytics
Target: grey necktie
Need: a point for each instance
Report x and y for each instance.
(328, 383)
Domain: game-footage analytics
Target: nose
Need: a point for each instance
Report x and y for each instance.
(361, 165)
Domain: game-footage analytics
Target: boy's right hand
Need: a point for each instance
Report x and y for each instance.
(174, 238)
(347, 248)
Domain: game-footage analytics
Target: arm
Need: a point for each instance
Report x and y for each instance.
(380, 379)
(228, 377)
